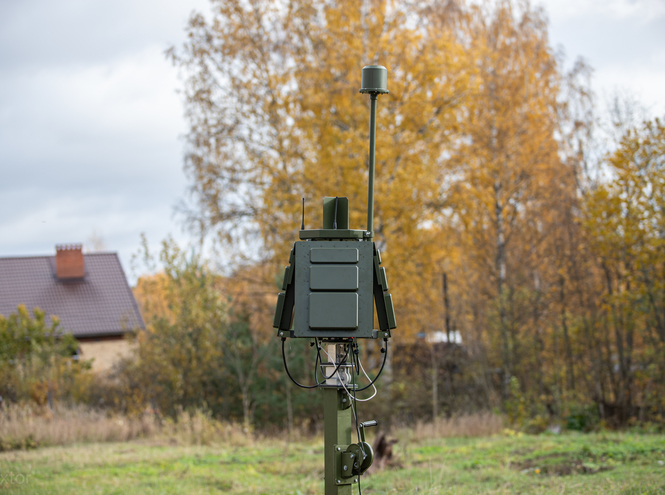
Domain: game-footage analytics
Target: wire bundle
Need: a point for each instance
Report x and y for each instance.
(356, 368)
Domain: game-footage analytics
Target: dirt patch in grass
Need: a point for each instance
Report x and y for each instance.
(558, 465)
(521, 452)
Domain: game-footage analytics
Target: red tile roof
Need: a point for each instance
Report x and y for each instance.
(100, 304)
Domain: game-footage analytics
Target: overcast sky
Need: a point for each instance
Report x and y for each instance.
(91, 125)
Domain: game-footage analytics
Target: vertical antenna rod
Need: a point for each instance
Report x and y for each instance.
(372, 150)
(374, 82)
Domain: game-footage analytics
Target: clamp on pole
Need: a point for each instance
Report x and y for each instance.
(358, 457)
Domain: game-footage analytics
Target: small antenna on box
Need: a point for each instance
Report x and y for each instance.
(302, 226)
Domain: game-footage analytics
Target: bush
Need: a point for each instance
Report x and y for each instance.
(37, 360)
(582, 417)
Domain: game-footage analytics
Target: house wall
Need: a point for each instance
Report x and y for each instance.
(105, 352)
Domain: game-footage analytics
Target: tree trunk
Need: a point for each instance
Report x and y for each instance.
(500, 267)
(570, 372)
(446, 305)
(435, 384)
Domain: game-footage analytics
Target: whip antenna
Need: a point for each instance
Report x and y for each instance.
(374, 82)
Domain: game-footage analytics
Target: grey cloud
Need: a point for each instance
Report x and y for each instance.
(43, 32)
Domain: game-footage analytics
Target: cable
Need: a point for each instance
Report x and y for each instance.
(356, 367)
(385, 357)
(353, 368)
(316, 366)
(360, 365)
(286, 367)
(356, 351)
(354, 405)
(318, 351)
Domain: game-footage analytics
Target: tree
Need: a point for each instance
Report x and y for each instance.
(178, 355)
(487, 170)
(511, 188)
(625, 219)
(271, 95)
(37, 360)
(208, 343)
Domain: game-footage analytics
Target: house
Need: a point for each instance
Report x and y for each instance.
(89, 294)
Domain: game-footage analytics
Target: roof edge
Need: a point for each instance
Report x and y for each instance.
(100, 334)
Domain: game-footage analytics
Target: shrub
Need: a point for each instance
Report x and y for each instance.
(582, 417)
(37, 360)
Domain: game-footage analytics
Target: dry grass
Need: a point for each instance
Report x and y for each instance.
(25, 427)
(200, 428)
(470, 425)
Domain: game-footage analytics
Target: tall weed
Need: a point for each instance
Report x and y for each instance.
(470, 425)
(27, 426)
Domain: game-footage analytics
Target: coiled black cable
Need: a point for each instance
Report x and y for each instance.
(316, 366)
(354, 359)
(286, 368)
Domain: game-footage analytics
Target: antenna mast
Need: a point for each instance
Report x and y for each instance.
(374, 82)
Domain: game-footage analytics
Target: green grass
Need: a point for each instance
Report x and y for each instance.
(614, 463)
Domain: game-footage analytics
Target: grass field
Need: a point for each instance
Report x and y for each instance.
(614, 463)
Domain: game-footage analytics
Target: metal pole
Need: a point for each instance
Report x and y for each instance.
(337, 429)
(372, 151)
(337, 419)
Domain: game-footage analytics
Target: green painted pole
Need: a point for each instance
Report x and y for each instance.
(338, 428)
(372, 153)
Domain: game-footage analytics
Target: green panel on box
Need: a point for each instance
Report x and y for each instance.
(329, 234)
(288, 276)
(333, 277)
(383, 279)
(390, 310)
(333, 310)
(339, 255)
(279, 309)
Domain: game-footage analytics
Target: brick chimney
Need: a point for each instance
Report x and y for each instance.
(69, 262)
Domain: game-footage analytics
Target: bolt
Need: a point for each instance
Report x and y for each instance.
(281, 334)
(339, 481)
(346, 468)
(338, 449)
(351, 456)
(355, 480)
